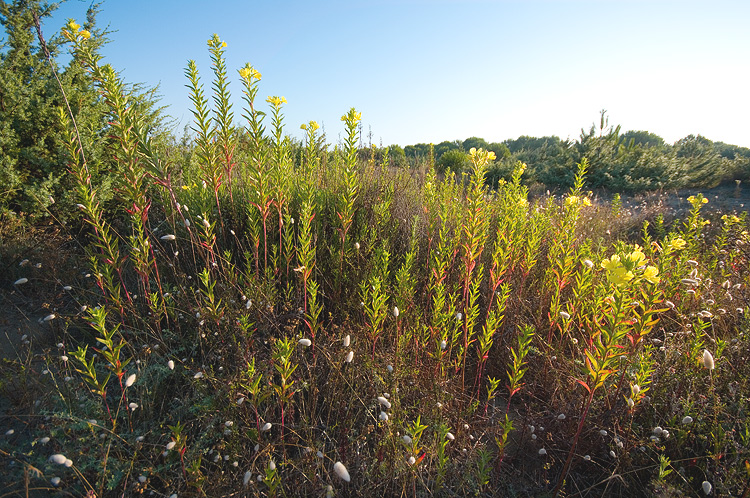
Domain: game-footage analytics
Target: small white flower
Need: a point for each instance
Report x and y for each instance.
(347, 340)
(341, 471)
(228, 423)
(635, 388)
(564, 315)
(395, 311)
(383, 417)
(459, 316)
(10, 432)
(411, 460)
(349, 356)
(706, 487)
(305, 342)
(443, 345)
(21, 281)
(64, 358)
(587, 458)
(171, 445)
(130, 380)
(141, 479)
(389, 368)
(406, 439)
(133, 406)
(708, 359)
(55, 481)
(198, 375)
(692, 262)
(356, 246)
(67, 288)
(561, 416)
(170, 364)
(266, 427)
(58, 458)
(665, 434)
(140, 439)
(687, 419)
(384, 402)
(168, 237)
(669, 304)
(49, 317)
(247, 477)
(612, 454)
(450, 436)
(542, 451)
(631, 403)
(44, 440)
(588, 263)
(603, 432)
(657, 431)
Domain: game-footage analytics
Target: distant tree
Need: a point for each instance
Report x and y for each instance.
(446, 146)
(397, 156)
(452, 160)
(644, 138)
(476, 142)
(33, 166)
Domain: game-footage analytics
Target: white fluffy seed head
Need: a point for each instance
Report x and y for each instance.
(349, 356)
(687, 419)
(706, 487)
(341, 471)
(168, 237)
(347, 340)
(266, 427)
(708, 359)
(130, 380)
(542, 452)
(21, 281)
(170, 364)
(305, 342)
(58, 458)
(247, 477)
(384, 402)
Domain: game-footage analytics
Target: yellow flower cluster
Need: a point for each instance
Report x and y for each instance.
(352, 116)
(249, 73)
(481, 154)
(730, 219)
(697, 200)
(73, 31)
(621, 270)
(276, 101)
(312, 125)
(574, 200)
(676, 244)
(215, 42)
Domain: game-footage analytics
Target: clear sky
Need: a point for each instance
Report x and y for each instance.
(434, 70)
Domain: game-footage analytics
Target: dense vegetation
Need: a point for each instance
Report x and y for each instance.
(240, 314)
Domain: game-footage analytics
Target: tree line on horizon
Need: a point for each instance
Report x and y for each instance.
(624, 162)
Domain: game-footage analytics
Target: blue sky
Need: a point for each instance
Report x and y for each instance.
(432, 70)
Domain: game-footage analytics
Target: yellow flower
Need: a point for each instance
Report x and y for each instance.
(473, 151)
(491, 155)
(650, 274)
(586, 201)
(571, 200)
(74, 26)
(223, 44)
(636, 257)
(616, 272)
(677, 244)
(85, 34)
(245, 72)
